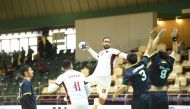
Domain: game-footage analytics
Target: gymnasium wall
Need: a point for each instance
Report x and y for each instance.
(126, 31)
(183, 26)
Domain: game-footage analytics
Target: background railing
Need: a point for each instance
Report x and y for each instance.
(174, 99)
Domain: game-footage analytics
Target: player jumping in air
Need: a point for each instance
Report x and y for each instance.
(104, 69)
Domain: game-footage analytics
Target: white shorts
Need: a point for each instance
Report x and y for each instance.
(79, 104)
(103, 84)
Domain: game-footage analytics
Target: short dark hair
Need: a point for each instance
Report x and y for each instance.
(132, 58)
(163, 55)
(107, 38)
(66, 63)
(24, 69)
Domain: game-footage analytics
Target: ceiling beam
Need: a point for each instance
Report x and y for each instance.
(164, 10)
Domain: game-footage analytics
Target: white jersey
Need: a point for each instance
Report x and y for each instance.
(74, 84)
(105, 61)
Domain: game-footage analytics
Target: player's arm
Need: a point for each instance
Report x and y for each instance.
(122, 55)
(91, 51)
(157, 39)
(52, 87)
(121, 90)
(174, 40)
(119, 53)
(152, 34)
(87, 88)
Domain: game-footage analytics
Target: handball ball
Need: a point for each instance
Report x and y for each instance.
(82, 45)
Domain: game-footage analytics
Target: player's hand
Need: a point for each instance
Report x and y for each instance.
(153, 33)
(51, 81)
(87, 46)
(114, 97)
(174, 33)
(162, 32)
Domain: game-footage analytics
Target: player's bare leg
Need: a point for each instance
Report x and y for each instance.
(97, 102)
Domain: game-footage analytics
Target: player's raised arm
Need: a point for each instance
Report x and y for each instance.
(157, 39)
(91, 51)
(174, 40)
(152, 35)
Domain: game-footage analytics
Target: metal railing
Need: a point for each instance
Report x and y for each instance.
(174, 99)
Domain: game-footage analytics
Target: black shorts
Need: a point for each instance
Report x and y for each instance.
(141, 101)
(159, 100)
(27, 103)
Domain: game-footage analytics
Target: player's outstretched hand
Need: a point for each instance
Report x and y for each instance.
(87, 45)
(174, 33)
(83, 45)
(162, 32)
(153, 33)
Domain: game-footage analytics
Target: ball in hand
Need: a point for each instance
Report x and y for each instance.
(82, 45)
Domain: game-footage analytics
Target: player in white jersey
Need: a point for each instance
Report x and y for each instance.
(76, 88)
(104, 69)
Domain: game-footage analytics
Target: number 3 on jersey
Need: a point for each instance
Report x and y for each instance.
(143, 74)
(76, 85)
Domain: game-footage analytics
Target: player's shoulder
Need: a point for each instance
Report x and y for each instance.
(113, 49)
(129, 70)
(77, 72)
(74, 72)
(171, 57)
(25, 81)
(62, 75)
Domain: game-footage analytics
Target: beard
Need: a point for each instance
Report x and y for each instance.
(106, 46)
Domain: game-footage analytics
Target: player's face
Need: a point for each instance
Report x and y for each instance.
(30, 72)
(106, 43)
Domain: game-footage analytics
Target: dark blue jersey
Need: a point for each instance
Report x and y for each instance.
(159, 71)
(137, 75)
(27, 97)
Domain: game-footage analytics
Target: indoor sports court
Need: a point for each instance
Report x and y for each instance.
(43, 33)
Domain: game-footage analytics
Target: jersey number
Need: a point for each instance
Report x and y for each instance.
(77, 86)
(163, 74)
(143, 74)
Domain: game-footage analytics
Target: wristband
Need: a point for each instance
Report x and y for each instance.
(174, 38)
